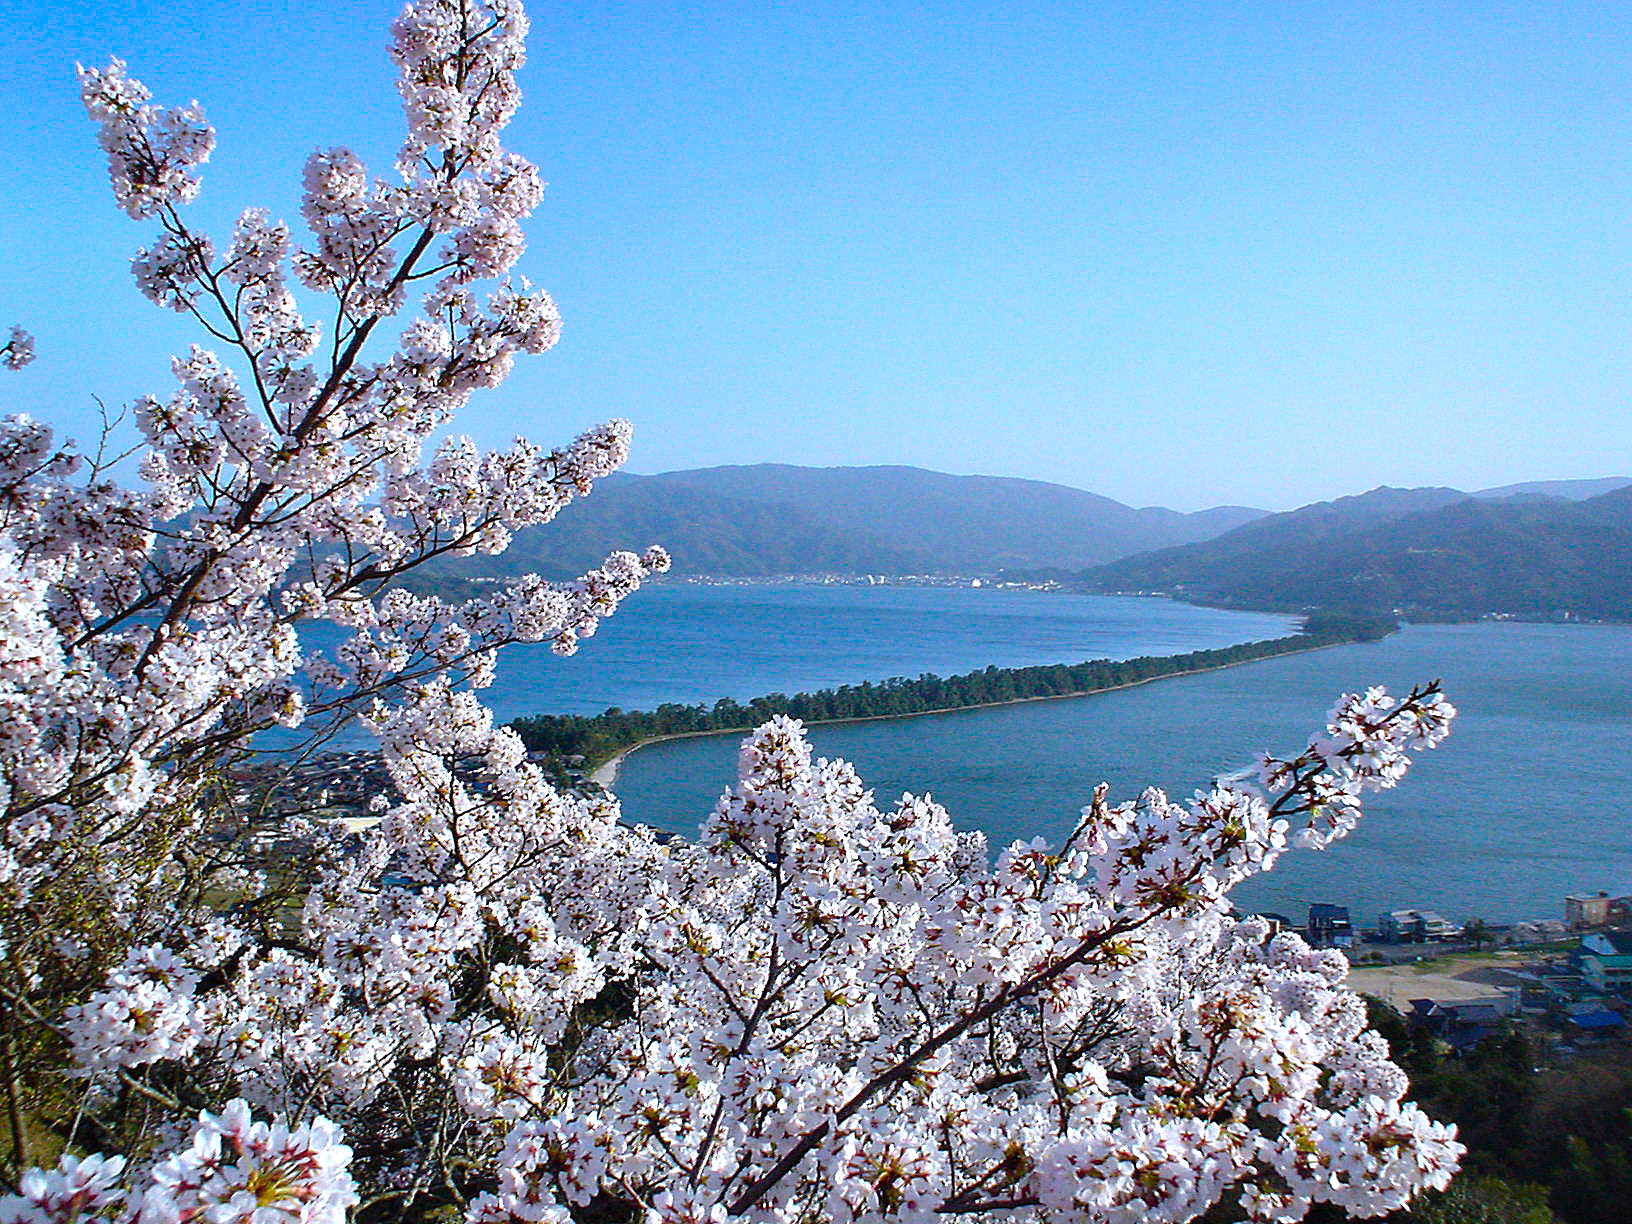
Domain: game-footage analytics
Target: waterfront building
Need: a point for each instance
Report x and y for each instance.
(1583, 910)
(1416, 926)
(1435, 927)
(1329, 926)
(1397, 926)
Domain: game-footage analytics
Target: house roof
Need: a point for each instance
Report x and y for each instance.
(1621, 941)
(1330, 913)
(1470, 1012)
(1598, 1020)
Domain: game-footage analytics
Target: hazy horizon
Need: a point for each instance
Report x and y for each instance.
(1186, 508)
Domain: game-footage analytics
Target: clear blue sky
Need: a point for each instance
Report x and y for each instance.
(1179, 254)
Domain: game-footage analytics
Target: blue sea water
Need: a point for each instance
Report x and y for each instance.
(679, 642)
(1527, 800)
(689, 643)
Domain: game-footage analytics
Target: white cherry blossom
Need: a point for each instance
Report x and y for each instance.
(515, 1005)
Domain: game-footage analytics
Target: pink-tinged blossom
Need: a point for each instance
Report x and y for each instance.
(79, 1188)
(235, 1170)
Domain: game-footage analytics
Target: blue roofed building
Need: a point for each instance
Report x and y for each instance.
(1606, 961)
(1594, 1020)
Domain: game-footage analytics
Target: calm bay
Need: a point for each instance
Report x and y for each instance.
(689, 643)
(1524, 803)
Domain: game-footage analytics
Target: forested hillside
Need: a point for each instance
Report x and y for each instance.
(1428, 551)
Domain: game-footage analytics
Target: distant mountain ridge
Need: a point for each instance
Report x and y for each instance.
(1569, 490)
(769, 519)
(1525, 550)
(1537, 549)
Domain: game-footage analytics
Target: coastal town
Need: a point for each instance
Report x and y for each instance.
(1565, 982)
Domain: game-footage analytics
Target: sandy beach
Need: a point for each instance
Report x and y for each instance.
(606, 773)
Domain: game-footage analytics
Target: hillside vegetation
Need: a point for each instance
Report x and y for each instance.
(1421, 551)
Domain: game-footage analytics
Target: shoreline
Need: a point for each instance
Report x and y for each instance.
(605, 774)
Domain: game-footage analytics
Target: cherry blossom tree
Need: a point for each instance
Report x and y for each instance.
(501, 1002)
